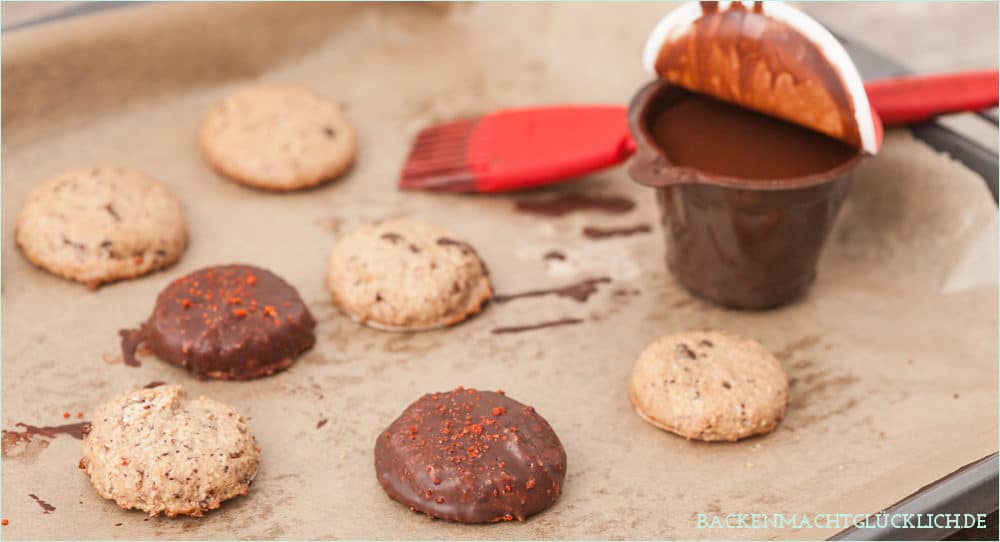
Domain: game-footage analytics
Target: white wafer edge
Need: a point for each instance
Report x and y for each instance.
(678, 22)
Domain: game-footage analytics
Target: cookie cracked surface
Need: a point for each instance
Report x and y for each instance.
(158, 451)
(709, 385)
(407, 275)
(101, 224)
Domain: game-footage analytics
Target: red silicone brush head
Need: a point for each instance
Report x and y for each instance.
(437, 160)
(516, 149)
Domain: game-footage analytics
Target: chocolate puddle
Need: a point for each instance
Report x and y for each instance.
(572, 203)
(592, 232)
(48, 508)
(531, 327)
(744, 143)
(580, 291)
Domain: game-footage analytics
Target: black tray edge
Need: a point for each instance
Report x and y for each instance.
(973, 488)
(969, 490)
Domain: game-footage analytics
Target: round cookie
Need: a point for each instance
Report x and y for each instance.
(158, 451)
(101, 224)
(277, 138)
(471, 456)
(407, 275)
(232, 322)
(709, 385)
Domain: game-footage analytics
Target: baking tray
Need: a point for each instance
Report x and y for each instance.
(551, 524)
(973, 488)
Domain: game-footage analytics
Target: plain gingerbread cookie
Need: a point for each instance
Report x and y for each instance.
(158, 451)
(101, 224)
(709, 385)
(277, 138)
(407, 275)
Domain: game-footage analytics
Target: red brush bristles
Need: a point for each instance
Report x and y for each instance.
(438, 160)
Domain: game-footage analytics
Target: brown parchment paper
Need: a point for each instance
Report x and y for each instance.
(892, 356)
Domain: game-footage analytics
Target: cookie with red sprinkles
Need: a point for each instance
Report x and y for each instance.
(231, 322)
(471, 456)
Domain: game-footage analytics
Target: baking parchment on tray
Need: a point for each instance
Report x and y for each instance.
(892, 356)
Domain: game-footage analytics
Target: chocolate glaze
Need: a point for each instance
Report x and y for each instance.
(46, 507)
(592, 232)
(571, 203)
(736, 241)
(745, 57)
(232, 322)
(579, 291)
(471, 456)
(541, 325)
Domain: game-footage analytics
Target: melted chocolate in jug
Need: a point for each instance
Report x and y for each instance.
(715, 137)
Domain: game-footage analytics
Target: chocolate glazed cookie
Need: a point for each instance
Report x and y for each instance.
(471, 456)
(232, 322)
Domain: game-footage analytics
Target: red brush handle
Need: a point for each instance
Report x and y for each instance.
(911, 99)
(522, 148)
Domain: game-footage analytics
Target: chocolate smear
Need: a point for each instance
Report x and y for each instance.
(580, 291)
(555, 255)
(131, 339)
(541, 325)
(592, 232)
(48, 508)
(75, 430)
(572, 203)
(22, 443)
